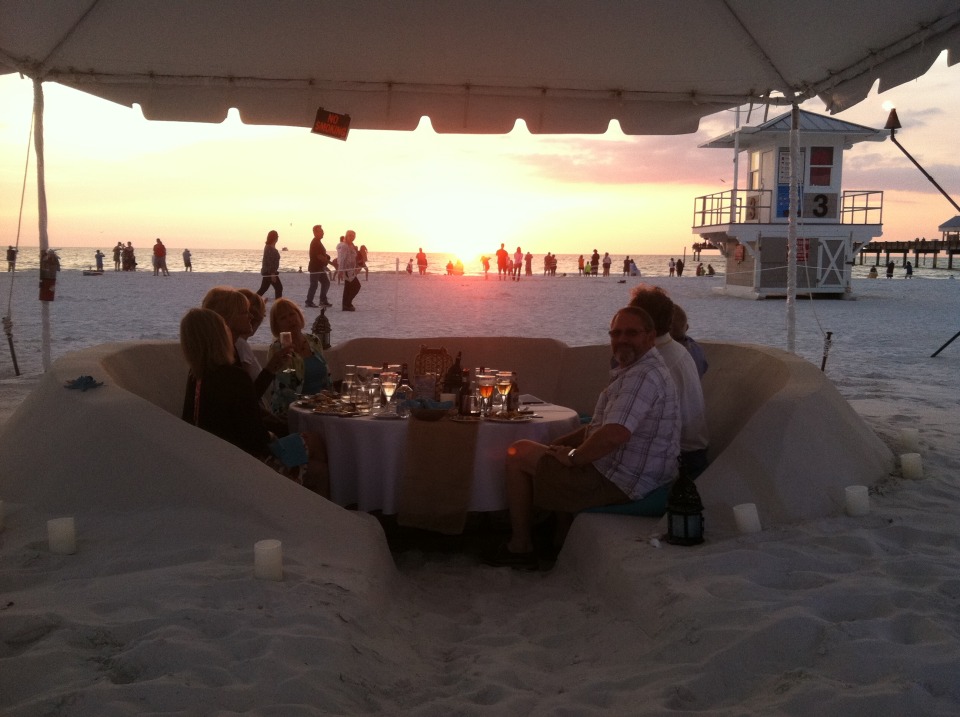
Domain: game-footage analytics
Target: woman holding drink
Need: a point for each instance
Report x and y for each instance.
(305, 372)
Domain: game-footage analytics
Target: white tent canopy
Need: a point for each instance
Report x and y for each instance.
(563, 66)
(656, 66)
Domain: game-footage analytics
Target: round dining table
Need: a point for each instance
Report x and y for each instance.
(367, 456)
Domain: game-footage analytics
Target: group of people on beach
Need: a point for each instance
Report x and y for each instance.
(346, 267)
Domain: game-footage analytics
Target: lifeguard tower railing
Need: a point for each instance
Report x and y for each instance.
(755, 206)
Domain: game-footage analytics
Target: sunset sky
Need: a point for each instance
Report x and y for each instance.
(113, 176)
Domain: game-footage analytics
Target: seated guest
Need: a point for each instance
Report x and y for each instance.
(678, 331)
(220, 399)
(693, 411)
(235, 308)
(628, 451)
(305, 370)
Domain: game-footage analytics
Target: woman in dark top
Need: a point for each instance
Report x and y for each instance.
(220, 397)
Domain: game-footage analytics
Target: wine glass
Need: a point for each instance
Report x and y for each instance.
(486, 382)
(504, 384)
(388, 384)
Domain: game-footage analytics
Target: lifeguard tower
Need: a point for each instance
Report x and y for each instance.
(749, 226)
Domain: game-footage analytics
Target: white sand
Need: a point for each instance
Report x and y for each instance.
(158, 612)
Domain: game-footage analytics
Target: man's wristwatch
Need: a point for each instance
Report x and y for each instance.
(571, 454)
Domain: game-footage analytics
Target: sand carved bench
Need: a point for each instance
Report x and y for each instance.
(782, 436)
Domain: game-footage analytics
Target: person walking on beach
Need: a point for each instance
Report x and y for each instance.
(11, 258)
(270, 266)
(679, 268)
(117, 254)
(672, 266)
(421, 262)
(579, 265)
(891, 267)
(607, 261)
(160, 258)
(502, 258)
(129, 258)
(347, 263)
(628, 451)
(485, 263)
(317, 266)
(595, 263)
(98, 257)
(528, 264)
(517, 264)
(626, 266)
(187, 263)
(908, 269)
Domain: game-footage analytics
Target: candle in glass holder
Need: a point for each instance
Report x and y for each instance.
(909, 440)
(858, 500)
(912, 466)
(268, 560)
(62, 536)
(747, 519)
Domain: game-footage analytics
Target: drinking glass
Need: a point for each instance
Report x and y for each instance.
(486, 382)
(346, 387)
(504, 384)
(388, 384)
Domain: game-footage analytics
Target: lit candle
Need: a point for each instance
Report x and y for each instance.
(62, 536)
(747, 519)
(268, 560)
(909, 440)
(911, 465)
(858, 500)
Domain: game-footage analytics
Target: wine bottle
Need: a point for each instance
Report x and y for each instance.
(466, 394)
(513, 398)
(454, 377)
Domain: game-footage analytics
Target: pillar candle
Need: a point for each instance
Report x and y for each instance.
(858, 500)
(268, 560)
(747, 519)
(911, 465)
(61, 535)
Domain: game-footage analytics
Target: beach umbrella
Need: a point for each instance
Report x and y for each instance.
(562, 66)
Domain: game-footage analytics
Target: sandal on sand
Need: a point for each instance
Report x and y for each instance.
(501, 557)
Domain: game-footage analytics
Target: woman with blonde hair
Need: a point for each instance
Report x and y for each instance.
(220, 396)
(306, 371)
(237, 309)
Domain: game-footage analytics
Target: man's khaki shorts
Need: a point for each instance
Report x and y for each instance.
(570, 489)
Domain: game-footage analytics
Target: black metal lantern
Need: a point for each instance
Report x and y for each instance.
(321, 328)
(684, 513)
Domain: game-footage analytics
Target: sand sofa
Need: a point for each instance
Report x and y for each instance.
(781, 434)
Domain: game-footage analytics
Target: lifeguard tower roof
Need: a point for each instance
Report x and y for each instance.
(809, 123)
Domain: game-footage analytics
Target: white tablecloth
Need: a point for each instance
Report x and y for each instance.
(367, 455)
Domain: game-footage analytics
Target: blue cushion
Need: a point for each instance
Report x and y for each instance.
(652, 505)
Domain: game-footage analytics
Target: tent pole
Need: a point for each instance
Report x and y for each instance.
(792, 227)
(734, 214)
(41, 211)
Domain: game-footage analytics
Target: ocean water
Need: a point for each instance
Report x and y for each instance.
(293, 260)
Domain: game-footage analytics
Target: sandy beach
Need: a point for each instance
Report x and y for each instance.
(836, 616)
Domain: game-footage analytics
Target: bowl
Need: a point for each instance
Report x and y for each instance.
(429, 414)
